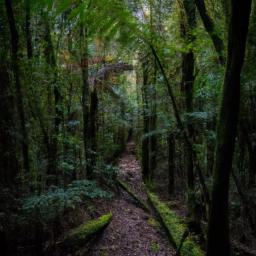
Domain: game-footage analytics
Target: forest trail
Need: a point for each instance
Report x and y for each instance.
(132, 232)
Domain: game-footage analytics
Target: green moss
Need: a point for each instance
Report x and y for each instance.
(78, 236)
(175, 227)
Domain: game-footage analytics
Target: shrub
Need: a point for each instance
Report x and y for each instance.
(52, 204)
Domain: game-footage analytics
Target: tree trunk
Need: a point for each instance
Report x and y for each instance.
(182, 128)
(19, 94)
(8, 153)
(121, 129)
(152, 100)
(146, 123)
(28, 30)
(153, 124)
(93, 133)
(51, 60)
(85, 94)
(171, 162)
(187, 86)
(211, 30)
(218, 228)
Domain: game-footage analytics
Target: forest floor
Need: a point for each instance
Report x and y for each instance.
(132, 231)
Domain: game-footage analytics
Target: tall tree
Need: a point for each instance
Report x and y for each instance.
(85, 94)
(18, 87)
(218, 227)
(146, 122)
(8, 153)
(50, 57)
(188, 24)
(153, 98)
(93, 132)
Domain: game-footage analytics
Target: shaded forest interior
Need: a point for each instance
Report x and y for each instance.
(128, 127)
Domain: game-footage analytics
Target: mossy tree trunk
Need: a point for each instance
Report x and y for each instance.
(218, 229)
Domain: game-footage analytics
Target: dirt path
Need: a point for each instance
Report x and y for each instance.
(132, 232)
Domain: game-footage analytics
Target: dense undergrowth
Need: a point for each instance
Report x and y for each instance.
(36, 222)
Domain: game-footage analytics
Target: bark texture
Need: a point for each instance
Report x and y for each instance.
(218, 228)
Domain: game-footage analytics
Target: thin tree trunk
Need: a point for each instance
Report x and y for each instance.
(187, 84)
(93, 133)
(153, 125)
(210, 28)
(28, 30)
(8, 153)
(171, 162)
(152, 100)
(146, 123)
(51, 60)
(182, 128)
(121, 128)
(85, 94)
(19, 94)
(218, 227)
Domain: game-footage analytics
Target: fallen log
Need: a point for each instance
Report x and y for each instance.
(175, 229)
(81, 235)
(133, 195)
